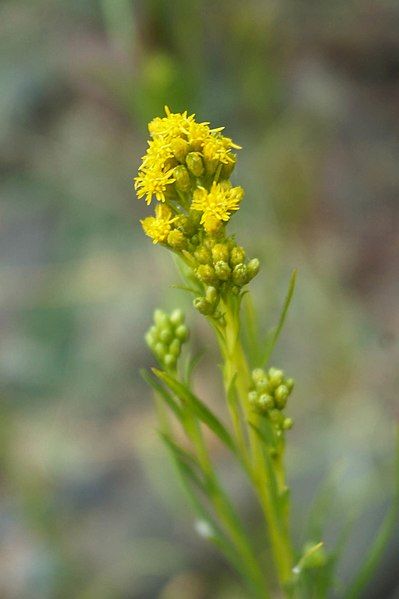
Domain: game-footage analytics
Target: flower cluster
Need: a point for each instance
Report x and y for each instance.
(166, 337)
(269, 396)
(187, 169)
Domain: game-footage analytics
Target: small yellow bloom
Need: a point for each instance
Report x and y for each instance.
(158, 152)
(172, 126)
(218, 148)
(158, 227)
(153, 182)
(217, 204)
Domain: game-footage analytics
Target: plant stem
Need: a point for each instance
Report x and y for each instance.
(236, 372)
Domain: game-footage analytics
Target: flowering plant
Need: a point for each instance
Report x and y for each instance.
(187, 170)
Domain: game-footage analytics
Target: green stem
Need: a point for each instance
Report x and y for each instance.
(237, 370)
(227, 514)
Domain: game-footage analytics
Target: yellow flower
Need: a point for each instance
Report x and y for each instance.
(217, 204)
(172, 126)
(198, 133)
(158, 227)
(153, 182)
(158, 152)
(218, 147)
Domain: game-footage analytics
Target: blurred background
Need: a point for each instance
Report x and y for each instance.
(89, 505)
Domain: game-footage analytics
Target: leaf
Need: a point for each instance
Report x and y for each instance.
(191, 364)
(202, 412)
(274, 334)
(187, 462)
(381, 540)
(164, 394)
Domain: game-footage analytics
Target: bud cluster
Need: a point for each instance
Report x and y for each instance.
(166, 337)
(269, 396)
(222, 267)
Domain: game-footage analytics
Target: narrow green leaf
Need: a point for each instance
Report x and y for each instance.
(381, 540)
(164, 394)
(191, 365)
(251, 330)
(202, 412)
(187, 462)
(274, 334)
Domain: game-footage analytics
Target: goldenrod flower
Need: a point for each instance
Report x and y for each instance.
(172, 126)
(216, 204)
(159, 226)
(158, 152)
(153, 182)
(218, 148)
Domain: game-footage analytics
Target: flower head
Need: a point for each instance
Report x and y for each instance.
(218, 148)
(153, 182)
(171, 126)
(159, 226)
(217, 204)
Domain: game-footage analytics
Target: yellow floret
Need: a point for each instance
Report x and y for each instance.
(158, 227)
(218, 147)
(172, 126)
(217, 204)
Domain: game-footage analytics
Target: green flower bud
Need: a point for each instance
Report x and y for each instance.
(166, 335)
(289, 383)
(265, 402)
(203, 255)
(175, 348)
(177, 317)
(160, 350)
(227, 169)
(281, 395)
(182, 178)
(258, 374)
(211, 295)
(149, 339)
(288, 423)
(220, 251)
(253, 268)
(203, 306)
(180, 148)
(169, 361)
(263, 385)
(160, 318)
(240, 275)
(253, 398)
(276, 377)
(235, 290)
(181, 332)
(237, 255)
(176, 239)
(206, 273)
(222, 270)
(195, 163)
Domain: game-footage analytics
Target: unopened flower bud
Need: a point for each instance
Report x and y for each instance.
(181, 332)
(237, 255)
(177, 317)
(240, 275)
(160, 350)
(222, 270)
(275, 377)
(176, 239)
(203, 306)
(281, 395)
(263, 385)
(202, 255)
(206, 273)
(265, 402)
(169, 361)
(253, 268)
(228, 168)
(175, 348)
(211, 295)
(160, 318)
(258, 374)
(288, 423)
(166, 335)
(220, 251)
(195, 163)
(180, 147)
(289, 383)
(182, 178)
